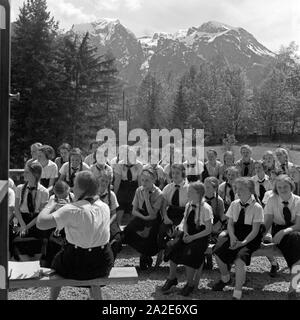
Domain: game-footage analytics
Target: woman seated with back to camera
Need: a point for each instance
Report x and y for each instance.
(87, 253)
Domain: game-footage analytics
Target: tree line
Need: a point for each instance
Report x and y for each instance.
(69, 91)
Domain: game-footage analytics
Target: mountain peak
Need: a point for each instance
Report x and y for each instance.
(215, 27)
(106, 21)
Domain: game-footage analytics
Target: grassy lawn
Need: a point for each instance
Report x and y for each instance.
(259, 285)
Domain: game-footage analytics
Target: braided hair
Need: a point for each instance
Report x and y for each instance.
(35, 169)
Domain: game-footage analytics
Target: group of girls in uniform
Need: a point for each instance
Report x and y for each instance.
(175, 210)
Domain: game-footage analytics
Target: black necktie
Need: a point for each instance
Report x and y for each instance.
(231, 193)
(241, 219)
(246, 168)
(209, 200)
(175, 197)
(283, 167)
(287, 213)
(262, 190)
(129, 174)
(30, 202)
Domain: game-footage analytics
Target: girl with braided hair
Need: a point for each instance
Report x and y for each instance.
(72, 167)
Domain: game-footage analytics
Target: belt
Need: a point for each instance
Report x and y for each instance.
(87, 249)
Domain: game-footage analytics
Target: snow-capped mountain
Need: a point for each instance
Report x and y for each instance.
(166, 53)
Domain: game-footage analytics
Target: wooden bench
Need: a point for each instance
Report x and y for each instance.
(264, 250)
(47, 278)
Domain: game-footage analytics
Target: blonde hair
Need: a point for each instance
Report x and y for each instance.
(248, 182)
(284, 178)
(282, 151)
(213, 181)
(245, 146)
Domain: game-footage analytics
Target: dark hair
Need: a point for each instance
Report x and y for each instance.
(65, 146)
(36, 170)
(48, 151)
(199, 188)
(73, 152)
(249, 182)
(180, 167)
(93, 142)
(87, 183)
(213, 151)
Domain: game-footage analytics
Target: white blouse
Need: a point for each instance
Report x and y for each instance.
(274, 208)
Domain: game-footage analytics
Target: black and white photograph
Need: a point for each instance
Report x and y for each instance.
(149, 152)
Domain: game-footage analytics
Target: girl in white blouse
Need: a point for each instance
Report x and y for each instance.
(245, 230)
(282, 212)
(193, 241)
(87, 253)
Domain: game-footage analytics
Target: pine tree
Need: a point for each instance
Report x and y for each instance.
(34, 74)
(148, 103)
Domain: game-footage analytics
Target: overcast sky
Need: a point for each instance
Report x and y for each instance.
(272, 22)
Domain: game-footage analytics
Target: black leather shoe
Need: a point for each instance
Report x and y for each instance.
(186, 290)
(273, 271)
(220, 285)
(169, 284)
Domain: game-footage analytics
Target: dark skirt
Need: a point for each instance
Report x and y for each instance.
(82, 264)
(126, 194)
(175, 214)
(228, 256)
(145, 244)
(45, 182)
(190, 254)
(289, 245)
(54, 245)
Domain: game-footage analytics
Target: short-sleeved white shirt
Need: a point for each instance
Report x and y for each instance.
(169, 190)
(50, 171)
(267, 196)
(64, 170)
(11, 198)
(203, 213)
(86, 225)
(121, 170)
(155, 198)
(253, 213)
(41, 196)
(274, 208)
(267, 183)
(96, 171)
